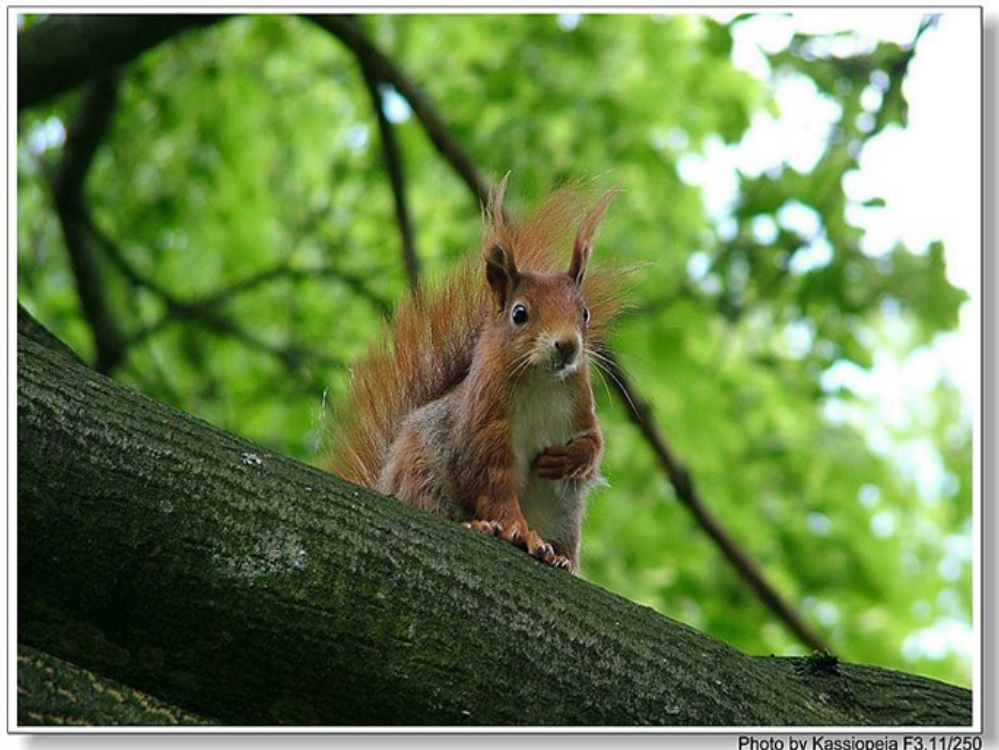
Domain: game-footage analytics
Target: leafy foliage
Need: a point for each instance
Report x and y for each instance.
(244, 157)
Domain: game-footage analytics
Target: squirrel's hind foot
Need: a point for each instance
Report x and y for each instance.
(530, 542)
(490, 527)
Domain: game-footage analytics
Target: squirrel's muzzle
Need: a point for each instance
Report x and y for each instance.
(565, 352)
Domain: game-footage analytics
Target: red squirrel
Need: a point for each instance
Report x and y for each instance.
(476, 404)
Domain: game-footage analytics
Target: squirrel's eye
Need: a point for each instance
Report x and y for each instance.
(519, 315)
(586, 315)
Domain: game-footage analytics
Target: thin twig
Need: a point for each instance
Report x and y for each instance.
(180, 309)
(641, 415)
(292, 356)
(285, 272)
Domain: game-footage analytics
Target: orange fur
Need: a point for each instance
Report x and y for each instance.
(428, 348)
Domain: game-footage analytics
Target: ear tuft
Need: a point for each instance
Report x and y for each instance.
(584, 237)
(495, 210)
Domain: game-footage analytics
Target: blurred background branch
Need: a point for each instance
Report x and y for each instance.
(67, 182)
(70, 50)
(347, 31)
(393, 166)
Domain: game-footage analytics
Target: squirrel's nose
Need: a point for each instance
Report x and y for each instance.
(566, 350)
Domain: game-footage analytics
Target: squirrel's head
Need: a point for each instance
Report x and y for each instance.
(541, 319)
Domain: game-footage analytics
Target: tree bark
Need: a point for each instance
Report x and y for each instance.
(215, 575)
(51, 692)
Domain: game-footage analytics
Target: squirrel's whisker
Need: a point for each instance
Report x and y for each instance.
(614, 377)
(597, 369)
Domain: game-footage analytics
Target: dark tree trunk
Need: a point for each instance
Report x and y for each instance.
(215, 575)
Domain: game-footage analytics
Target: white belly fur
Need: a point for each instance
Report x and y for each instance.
(542, 417)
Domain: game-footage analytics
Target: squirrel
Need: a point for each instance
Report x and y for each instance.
(476, 403)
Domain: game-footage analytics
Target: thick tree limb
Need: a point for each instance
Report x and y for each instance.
(51, 692)
(28, 326)
(64, 51)
(158, 551)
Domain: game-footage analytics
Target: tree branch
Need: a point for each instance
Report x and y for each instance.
(179, 310)
(204, 570)
(292, 356)
(283, 271)
(32, 329)
(64, 51)
(641, 415)
(51, 691)
(87, 129)
(393, 165)
(346, 30)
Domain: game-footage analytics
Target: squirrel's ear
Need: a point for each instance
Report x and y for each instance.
(494, 208)
(501, 273)
(584, 237)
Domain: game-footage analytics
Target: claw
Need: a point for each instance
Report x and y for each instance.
(543, 552)
(530, 542)
(547, 554)
(561, 562)
(525, 539)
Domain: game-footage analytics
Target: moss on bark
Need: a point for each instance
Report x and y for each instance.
(53, 692)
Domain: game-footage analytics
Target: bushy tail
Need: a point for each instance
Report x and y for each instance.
(426, 350)
(423, 353)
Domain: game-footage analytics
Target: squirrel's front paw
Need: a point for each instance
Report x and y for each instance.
(573, 461)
